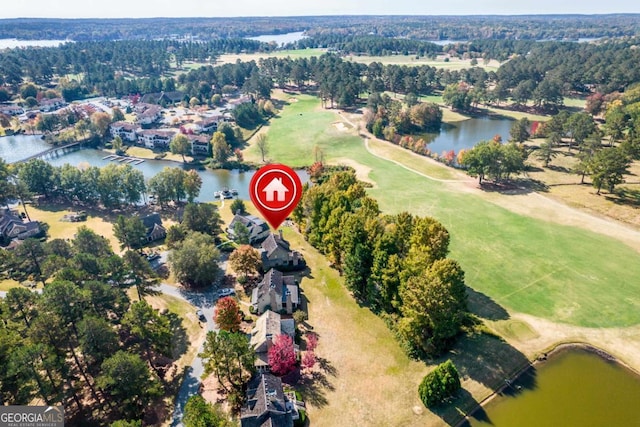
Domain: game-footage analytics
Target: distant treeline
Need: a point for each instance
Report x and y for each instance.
(544, 72)
(370, 45)
(521, 27)
(147, 28)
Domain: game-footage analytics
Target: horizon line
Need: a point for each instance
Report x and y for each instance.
(327, 15)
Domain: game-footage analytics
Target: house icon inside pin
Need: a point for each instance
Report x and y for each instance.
(275, 190)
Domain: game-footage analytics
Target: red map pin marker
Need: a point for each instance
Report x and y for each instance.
(275, 191)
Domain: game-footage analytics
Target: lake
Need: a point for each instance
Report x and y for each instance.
(575, 387)
(13, 43)
(280, 39)
(18, 147)
(467, 133)
(21, 146)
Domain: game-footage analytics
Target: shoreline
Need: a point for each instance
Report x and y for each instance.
(543, 357)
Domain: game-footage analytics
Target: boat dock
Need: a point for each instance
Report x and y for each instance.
(123, 159)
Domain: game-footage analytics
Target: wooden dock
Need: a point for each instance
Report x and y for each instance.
(123, 159)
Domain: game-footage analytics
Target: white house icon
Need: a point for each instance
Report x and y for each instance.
(276, 186)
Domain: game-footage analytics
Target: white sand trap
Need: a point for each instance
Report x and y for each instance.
(341, 127)
(362, 171)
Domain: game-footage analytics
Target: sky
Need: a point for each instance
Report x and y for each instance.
(221, 8)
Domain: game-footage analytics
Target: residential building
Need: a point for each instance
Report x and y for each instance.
(126, 131)
(155, 138)
(276, 253)
(209, 124)
(155, 230)
(11, 110)
(163, 98)
(268, 327)
(276, 292)
(12, 226)
(267, 405)
(199, 144)
(47, 105)
(147, 114)
(258, 229)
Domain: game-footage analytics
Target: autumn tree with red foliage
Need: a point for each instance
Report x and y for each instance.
(315, 171)
(282, 356)
(308, 360)
(449, 156)
(238, 154)
(312, 341)
(227, 315)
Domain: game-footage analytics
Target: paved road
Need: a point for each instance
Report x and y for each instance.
(204, 300)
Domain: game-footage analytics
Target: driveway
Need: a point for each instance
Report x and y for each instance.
(205, 300)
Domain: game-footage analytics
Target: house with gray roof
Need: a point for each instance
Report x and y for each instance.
(12, 226)
(155, 230)
(258, 228)
(267, 405)
(163, 98)
(276, 253)
(268, 327)
(276, 292)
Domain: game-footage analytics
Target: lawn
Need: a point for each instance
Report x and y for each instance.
(147, 153)
(7, 284)
(575, 102)
(562, 273)
(305, 127)
(565, 185)
(247, 57)
(185, 345)
(51, 214)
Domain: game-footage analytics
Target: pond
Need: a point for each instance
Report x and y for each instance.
(18, 147)
(575, 387)
(13, 43)
(280, 39)
(467, 133)
(22, 146)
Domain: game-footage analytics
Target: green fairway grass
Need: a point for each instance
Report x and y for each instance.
(541, 268)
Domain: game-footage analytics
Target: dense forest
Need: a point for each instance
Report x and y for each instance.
(82, 342)
(525, 27)
(539, 72)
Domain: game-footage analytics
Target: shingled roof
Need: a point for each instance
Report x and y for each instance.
(266, 404)
(272, 242)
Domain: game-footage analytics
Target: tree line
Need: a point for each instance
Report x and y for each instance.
(395, 264)
(544, 74)
(529, 27)
(148, 58)
(114, 185)
(82, 342)
(369, 45)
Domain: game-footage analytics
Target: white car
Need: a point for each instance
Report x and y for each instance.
(225, 292)
(200, 315)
